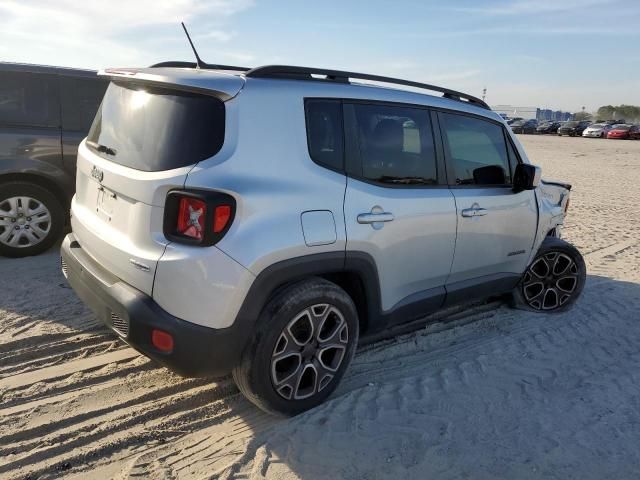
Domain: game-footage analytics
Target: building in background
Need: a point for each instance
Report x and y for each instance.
(553, 115)
(531, 113)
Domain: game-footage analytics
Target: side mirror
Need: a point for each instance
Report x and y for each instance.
(526, 177)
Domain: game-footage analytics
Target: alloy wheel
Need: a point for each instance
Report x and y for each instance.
(24, 222)
(309, 352)
(550, 281)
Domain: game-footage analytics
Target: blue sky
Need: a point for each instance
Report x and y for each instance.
(559, 54)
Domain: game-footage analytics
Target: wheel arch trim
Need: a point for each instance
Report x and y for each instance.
(285, 272)
(58, 182)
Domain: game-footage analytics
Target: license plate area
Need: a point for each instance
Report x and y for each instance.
(106, 203)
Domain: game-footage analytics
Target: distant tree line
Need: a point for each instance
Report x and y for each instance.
(630, 113)
(579, 116)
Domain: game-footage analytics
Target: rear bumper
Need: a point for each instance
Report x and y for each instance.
(132, 315)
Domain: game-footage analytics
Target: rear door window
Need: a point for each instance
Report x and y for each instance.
(29, 99)
(154, 129)
(476, 150)
(395, 144)
(80, 98)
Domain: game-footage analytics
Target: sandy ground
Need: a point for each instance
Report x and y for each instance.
(491, 393)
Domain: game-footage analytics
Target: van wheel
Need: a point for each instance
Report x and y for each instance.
(305, 339)
(554, 280)
(31, 219)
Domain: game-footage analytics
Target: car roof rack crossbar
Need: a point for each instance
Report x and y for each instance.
(207, 66)
(305, 73)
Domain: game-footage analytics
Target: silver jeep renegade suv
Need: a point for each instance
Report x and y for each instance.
(259, 221)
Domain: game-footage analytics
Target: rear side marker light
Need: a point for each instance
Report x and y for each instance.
(221, 218)
(163, 341)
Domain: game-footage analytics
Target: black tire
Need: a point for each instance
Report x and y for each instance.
(45, 197)
(566, 276)
(257, 377)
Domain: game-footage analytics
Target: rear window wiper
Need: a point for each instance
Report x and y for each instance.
(407, 180)
(102, 148)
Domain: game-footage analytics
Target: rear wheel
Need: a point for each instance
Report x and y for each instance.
(31, 219)
(305, 340)
(554, 280)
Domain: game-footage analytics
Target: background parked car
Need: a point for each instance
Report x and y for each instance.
(573, 128)
(44, 114)
(596, 130)
(548, 127)
(634, 132)
(620, 132)
(524, 126)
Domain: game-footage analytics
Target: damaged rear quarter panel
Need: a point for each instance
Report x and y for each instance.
(552, 198)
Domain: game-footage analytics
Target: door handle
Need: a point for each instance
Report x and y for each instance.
(375, 217)
(474, 212)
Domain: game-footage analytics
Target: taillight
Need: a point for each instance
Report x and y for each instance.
(198, 217)
(191, 216)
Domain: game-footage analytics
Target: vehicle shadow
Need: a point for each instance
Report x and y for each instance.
(34, 289)
(503, 394)
(490, 392)
(40, 315)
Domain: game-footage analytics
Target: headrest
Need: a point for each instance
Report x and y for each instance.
(388, 134)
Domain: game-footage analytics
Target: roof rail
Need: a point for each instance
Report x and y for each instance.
(305, 73)
(207, 66)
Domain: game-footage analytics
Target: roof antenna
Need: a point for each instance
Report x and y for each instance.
(199, 62)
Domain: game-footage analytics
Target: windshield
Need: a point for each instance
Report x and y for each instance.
(621, 127)
(153, 129)
(571, 124)
(597, 125)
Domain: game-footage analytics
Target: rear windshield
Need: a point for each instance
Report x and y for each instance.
(152, 129)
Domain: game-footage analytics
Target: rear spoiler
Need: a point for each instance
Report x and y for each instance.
(222, 85)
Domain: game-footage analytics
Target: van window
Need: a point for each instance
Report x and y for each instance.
(81, 98)
(153, 129)
(324, 133)
(476, 149)
(29, 99)
(396, 144)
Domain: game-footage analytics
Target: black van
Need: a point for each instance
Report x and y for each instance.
(44, 114)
